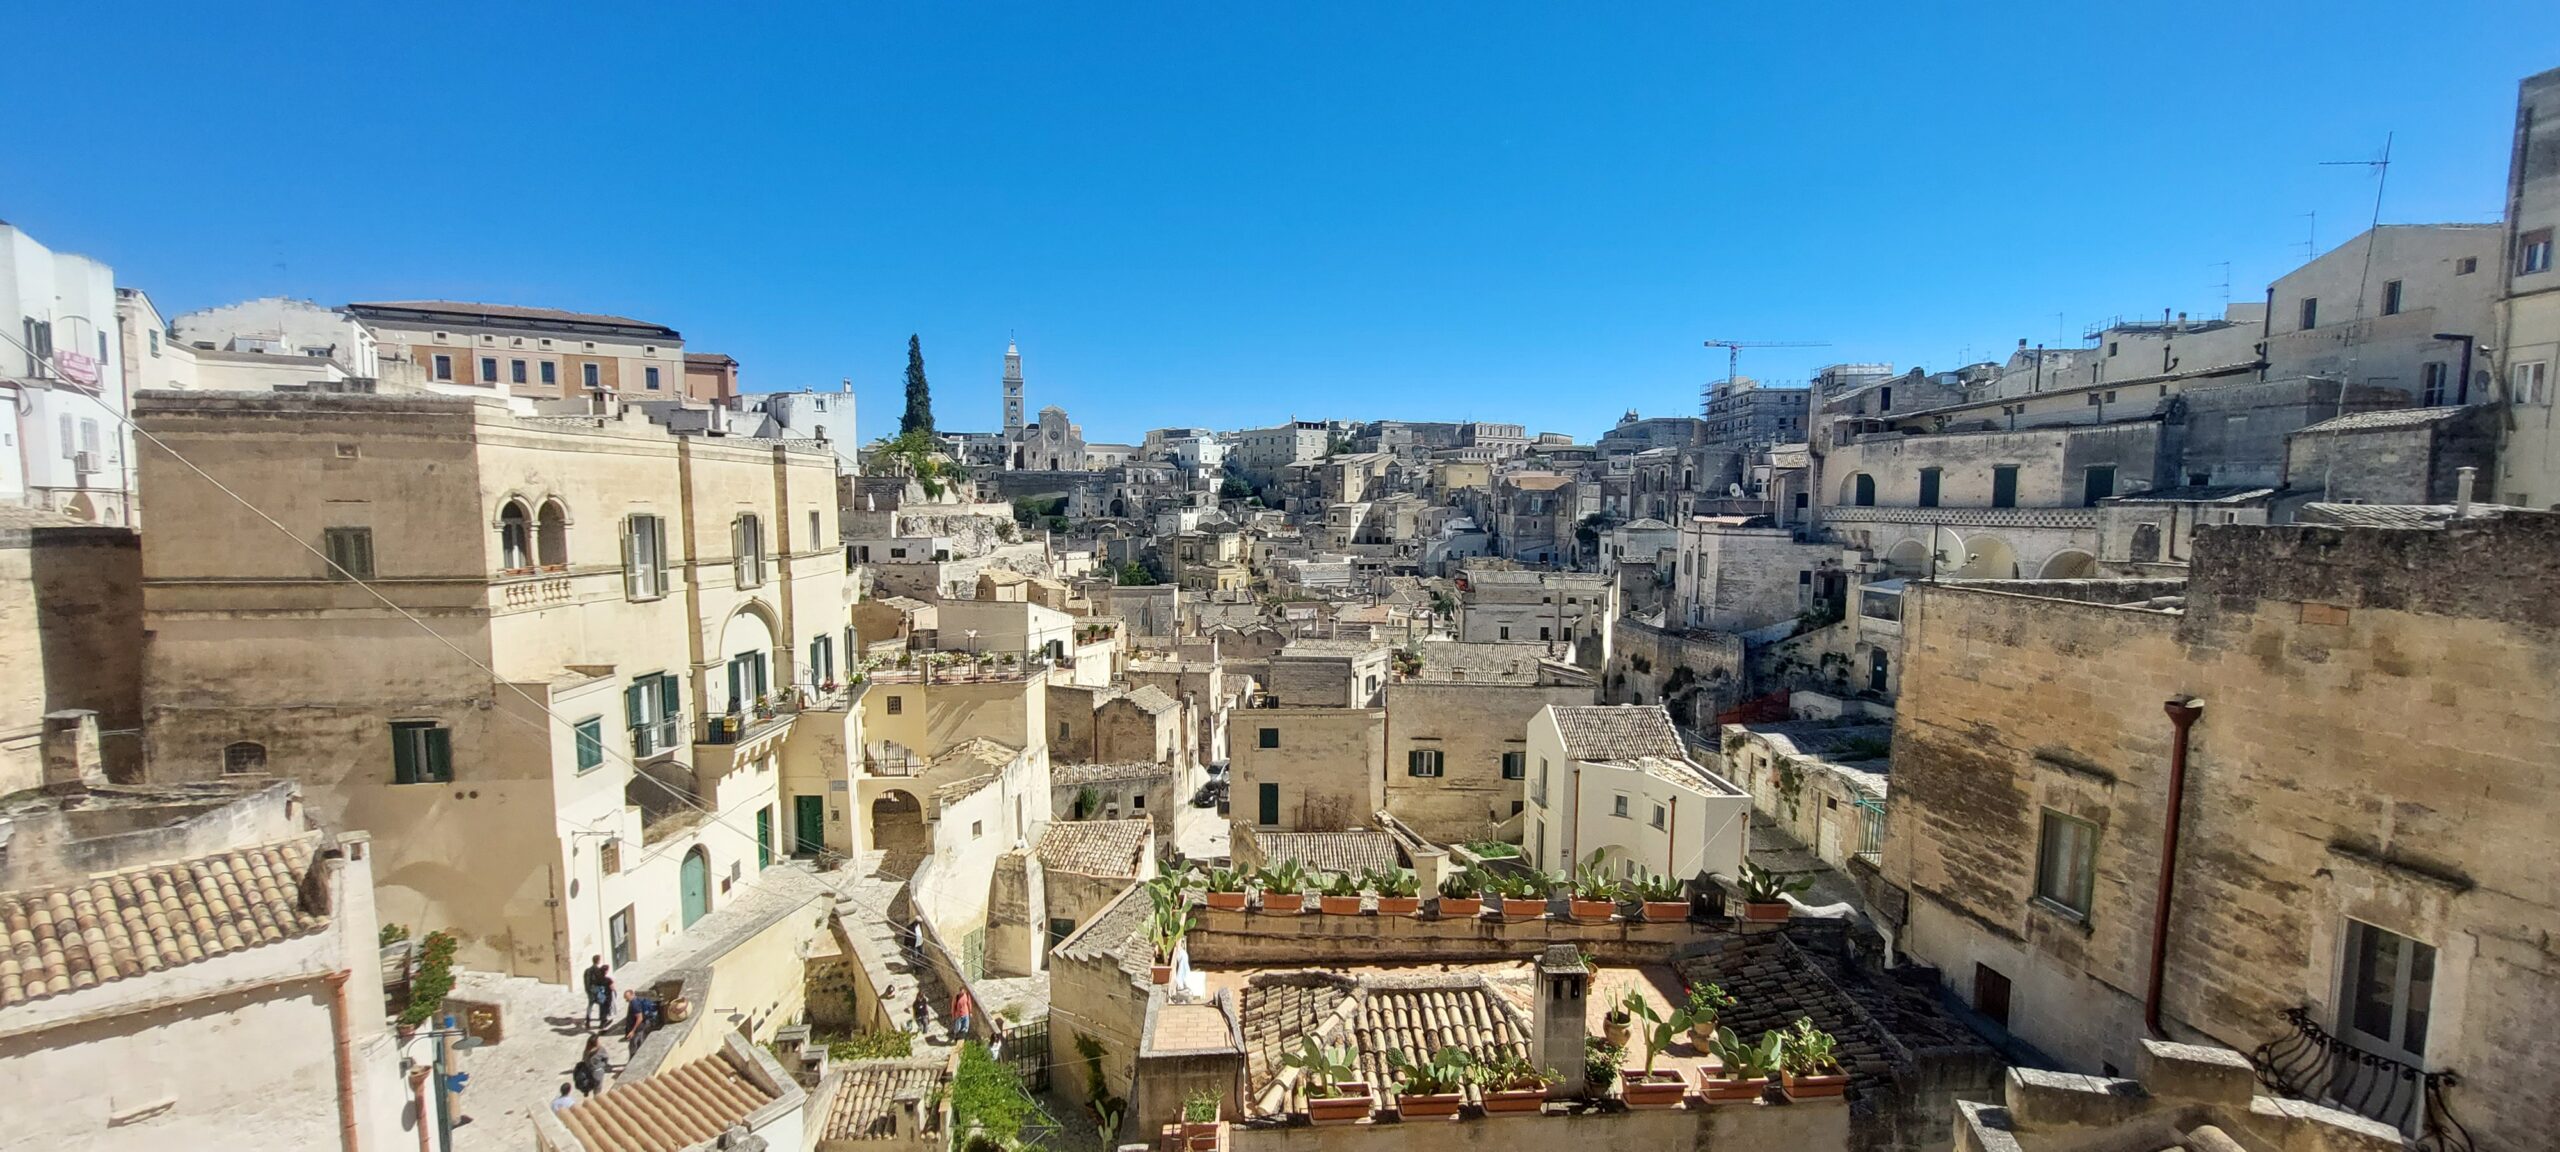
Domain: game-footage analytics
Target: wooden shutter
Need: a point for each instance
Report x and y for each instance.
(404, 756)
(670, 701)
(659, 562)
(631, 560)
(439, 753)
(738, 551)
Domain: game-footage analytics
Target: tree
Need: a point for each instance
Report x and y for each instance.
(919, 414)
(1134, 573)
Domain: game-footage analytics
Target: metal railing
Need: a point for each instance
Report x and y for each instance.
(746, 721)
(657, 736)
(2308, 1063)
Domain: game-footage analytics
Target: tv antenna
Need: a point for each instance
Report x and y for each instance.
(1733, 359)
(2381, 168)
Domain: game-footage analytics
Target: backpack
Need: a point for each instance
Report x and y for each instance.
(583, 1077)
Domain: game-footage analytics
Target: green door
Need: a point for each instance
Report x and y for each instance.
(1268, 800)
(697, 886)
(764, 838)
(809, 825)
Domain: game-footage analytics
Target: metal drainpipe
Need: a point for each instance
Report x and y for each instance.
(338, 1028)
(2183, 712)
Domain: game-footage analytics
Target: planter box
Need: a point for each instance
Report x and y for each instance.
(1724, 1090)
(1200, 1137)
(1160, 973)
(1429, 1107)
(1809, 1087)
(1279, 905)
(1666, 911)
(1352, 1107)
(1523, 909)
(1339, 905)
(1453, 908)
(1226, 901)
(1766, 913)
(1515, 1101)
(1590, 911)
(1661, 1088)
(1399, 905)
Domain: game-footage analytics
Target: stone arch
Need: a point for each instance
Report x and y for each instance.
(748, 658)
(551, 534)
(2068, 564)
(515, 536)
(1908, 558)
(1988, 557)
(1858, 490)
(897, 824)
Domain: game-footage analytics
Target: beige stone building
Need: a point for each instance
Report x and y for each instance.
(608, 640)
(2339, 737)
(1458, 734)
(70, 636)
(2529, 310)
(532, 353)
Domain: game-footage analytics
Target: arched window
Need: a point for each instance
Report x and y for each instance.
(515, 538)
(243, 758)
(551, 535)
(1865, 494)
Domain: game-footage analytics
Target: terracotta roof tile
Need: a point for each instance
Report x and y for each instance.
(865, 1105)
(672, 1110)
(1095, 847)
(1151, 700)
(121, 924)
(1618, 732)
(1331, 851)
(1378, 1015)
(1070, 775)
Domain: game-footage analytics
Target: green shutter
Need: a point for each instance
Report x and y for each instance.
(440, 753)
(632, 716)
(404, 756)
(670, 695)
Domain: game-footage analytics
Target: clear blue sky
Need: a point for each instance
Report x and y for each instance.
(1223, 214)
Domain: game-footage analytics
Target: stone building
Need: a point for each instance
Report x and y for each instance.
(1737, 577)
(2528, 322)
(1534, 515)
(1615, 782)
(1458, 733)
(70, 635)
(533, 353)
(1822, 782)
(2336, 737)
(607, 640)
(2399, 456)
(1049, 444)
(1569, 609)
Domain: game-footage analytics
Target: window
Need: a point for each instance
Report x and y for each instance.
(243, 757)
(515, 538)
(1658, 815)
(897, 704)
(1991, 994)
(2066, 859)
(2533, 252)
(421, 752)
(1540, 793)
(2466, 266)
(2530, 382)
(550, 372)
(1137, 801)
(2111, 347)
(444, 367)
(154, 334)
(649, 377)
(515, 371)
(746, 537)
(350, 552)
(2391, 294)
(590, 743)
(1267, 738)
(1506, 631)
(1618, 806)
(2385, 992)
(1929, 487)
(822, 660)
(1863, 490)
(1266, 801)
(1059, 930)
(2310, 313)
(619, 928)
(644, 557)
(2432, 378)
(1515, 765)
(977, 828)
(1542, 634)
(609, 857)
(653, 706)
(2004, 486)
(817, 539)
(590, 376)
(2098, 484)
(1422, 762)
(1878, 665)
(488, 370)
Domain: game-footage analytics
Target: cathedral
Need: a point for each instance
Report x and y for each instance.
(1052, 445)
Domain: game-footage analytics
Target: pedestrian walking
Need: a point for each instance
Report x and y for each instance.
(644, 1017)
(599, 985)
(961, 1006)
(567, 1099)
(599, 1068)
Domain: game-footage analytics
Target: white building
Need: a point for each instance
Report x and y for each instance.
(277, 326)
(1614, 780)
(63, 364)
(808, 414)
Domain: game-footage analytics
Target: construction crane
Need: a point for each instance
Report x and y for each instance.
(1733, 360)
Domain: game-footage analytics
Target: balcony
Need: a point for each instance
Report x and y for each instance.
(656, 737)
(1964, 517)
(2308, 1063)
(750, 723)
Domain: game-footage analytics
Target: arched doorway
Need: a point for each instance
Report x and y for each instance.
(1988, 558)
(897, 824)
(746, 643)
(1908, 558)
(551, 535)
(2069, 564)
(696, 880)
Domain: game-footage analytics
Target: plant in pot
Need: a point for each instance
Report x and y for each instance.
(1661, 897)
(1524, 895)
(1461, 894)
(1284, 888)
(1331, 1075)
(1617, 1026)
(1809, 1061)
(1200, 1120)
(1434, 1087)
(1399, 894)
(1172, 920)
(1225, 889)
(1745, 1067)
(1600, 1065)
(1512, 1084)
(1646, 1087)
(1764, 893)
(1707, 1003)
(1340, 895)
(1594, 895)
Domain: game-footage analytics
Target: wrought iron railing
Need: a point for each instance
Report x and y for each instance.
(2309, 1063)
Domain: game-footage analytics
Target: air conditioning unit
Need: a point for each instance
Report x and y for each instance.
(85, 463)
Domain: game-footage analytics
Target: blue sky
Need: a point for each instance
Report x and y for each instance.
(1227, 214)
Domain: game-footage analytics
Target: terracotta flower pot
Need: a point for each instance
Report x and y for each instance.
(1200, 1137)
(1399, 905)
(1160, 973)
(1284, 903)
(1338, 905)
(1660, 1088)
(1666, 911)
(1513, 1101)
(1226, 901)
(1808, 1087)
(1730, 1090)
(1429, 1107)
(1615, 1029)
(1454, 908)
(1352, 1104)
(1766, 912)
(1523, 909)
(1590, 911)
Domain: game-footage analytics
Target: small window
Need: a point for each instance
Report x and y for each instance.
(1137, 801)
(515, 371)
(2098, 484)
(1929, 487)
(1515, 765)
(609, 858)
(2004, 486)
(2533, 252)
(1267, 738)
(2111, 347)
(1062, 729)
(443, 367)
(2433, 380)
(591, 375)
(550, 371)
(154, 334)
(2391, 295)
(1059, 929)
(977, 828)
(2066, 863)
(1422, 762)
(488, 370)
(817, 537)
(590, 743)
(1618, 805)
(1506, 631)
(645, 573)
(421, 752)
(897, 704)
(1658, 815)
(649, 377)
(2310, 313)
(350, 553)
(747, 541)
(2530, 382)
(244, 757)
(2466, 266)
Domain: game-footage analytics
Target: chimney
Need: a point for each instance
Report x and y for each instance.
(909, 1107)
(71, 761)
(1560, 1027)
(2462, 478)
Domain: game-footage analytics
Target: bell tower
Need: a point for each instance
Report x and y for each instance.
(1012, 393)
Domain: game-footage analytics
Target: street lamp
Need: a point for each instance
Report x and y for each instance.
(447, 1084)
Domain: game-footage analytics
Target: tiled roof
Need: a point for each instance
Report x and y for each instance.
(1070, 775)
(128, 923)
(672, 1110)
(501, 313)
(2389, 515)
(2197, 494)
(1095, 847)
(865, 1106)
(977, 751)
(1151, 700)
(1324, 649)
(1279, 1007)
(1483, 662)
(1617, 731)
(1378, 1015)
(959, 790)
(1678, 770)
(1117, 933)
(1352, 852)
(2388, 418)
(21, 516)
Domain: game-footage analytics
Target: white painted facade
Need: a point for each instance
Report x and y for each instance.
(63, 362)
(1670, 818)
(278, 326)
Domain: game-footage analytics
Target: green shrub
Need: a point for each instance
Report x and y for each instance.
(988, 1096)
(886, 1044)
(434, 980)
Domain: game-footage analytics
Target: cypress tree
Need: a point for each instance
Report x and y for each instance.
(919, 414)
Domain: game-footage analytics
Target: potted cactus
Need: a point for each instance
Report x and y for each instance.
(1660, 897)
(1524, 895)
(1764, 893)
(1593, 894)
(1646, 1087)
(1461, 894)
(1434, 1087)
(1340, 895)
(1399, 894)
(1284, 888)
(1513, 1085)
(1743, 1075)
(1331, 1075)
(1225, 889)
(1809, 1062)
(1707, 1003)
(1172, 920)
(1200, 1120)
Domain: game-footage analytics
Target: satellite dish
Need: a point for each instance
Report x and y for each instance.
(1733, 490)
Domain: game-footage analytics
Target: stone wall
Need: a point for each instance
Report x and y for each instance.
(1695, 674)
(71, 635)
(1471, 725)
(1326, 766)
(2397, 465)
